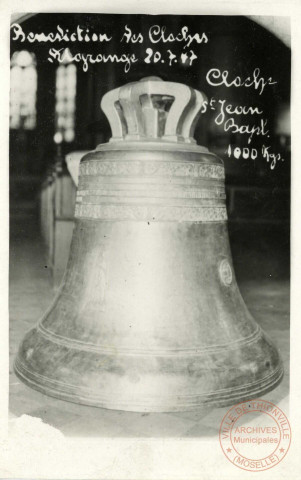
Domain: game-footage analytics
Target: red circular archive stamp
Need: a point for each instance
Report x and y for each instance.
(255, 435)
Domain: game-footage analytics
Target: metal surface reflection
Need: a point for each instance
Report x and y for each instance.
(149, 316)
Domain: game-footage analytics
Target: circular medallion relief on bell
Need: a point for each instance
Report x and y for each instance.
(225, 272)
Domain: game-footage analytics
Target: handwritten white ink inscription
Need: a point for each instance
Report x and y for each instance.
(157, 35)
(229, 116)
(160, 41)
(217, 78)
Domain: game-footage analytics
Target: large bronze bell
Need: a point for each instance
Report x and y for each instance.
(149, 316)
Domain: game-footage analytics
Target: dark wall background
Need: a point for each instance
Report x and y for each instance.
(259, 214)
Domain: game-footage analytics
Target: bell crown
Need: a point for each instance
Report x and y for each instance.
(153, 110)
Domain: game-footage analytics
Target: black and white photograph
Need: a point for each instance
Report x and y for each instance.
(150, 234)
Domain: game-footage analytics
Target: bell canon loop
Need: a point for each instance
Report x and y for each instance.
(149, 316)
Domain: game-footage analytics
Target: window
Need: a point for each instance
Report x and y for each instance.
(65, 103)
(23, 90)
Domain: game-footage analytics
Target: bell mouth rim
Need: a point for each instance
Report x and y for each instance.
(172, 403)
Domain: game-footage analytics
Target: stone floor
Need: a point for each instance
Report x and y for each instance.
(30, 295)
